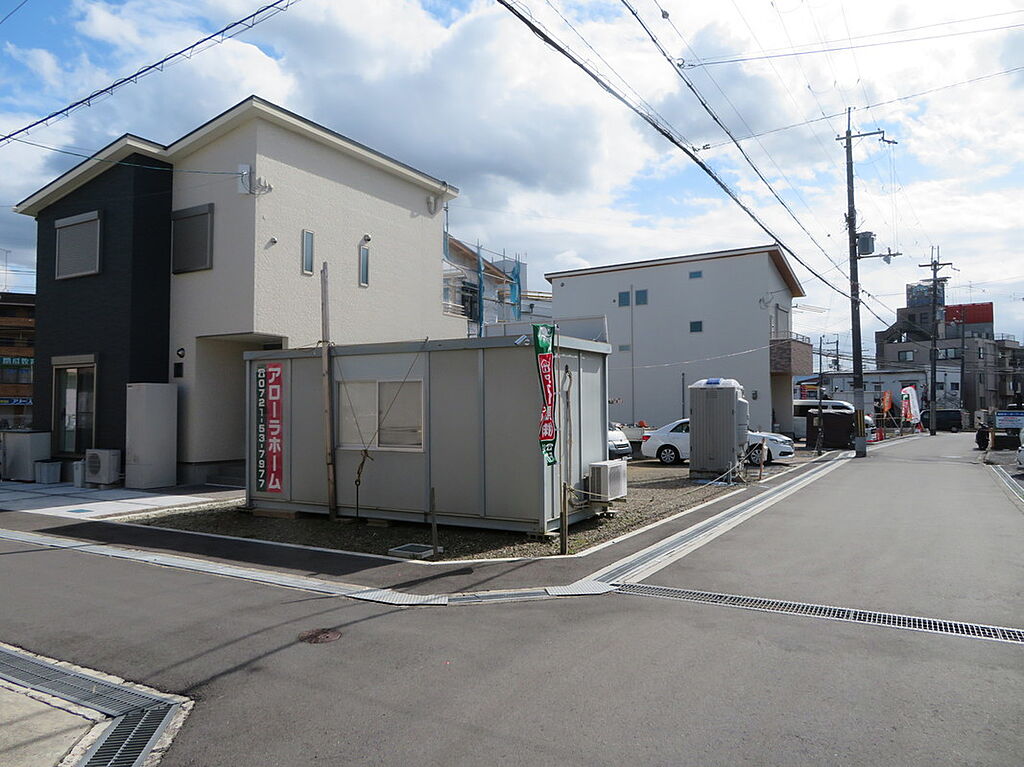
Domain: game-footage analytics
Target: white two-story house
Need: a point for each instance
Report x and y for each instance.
(673, 321)
(165, 263)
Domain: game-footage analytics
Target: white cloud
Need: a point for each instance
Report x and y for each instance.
(550, 165)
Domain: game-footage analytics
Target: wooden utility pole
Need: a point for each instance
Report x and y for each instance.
(326, 373)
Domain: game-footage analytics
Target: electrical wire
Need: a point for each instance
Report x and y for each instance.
(13, 11)
(547, 37)
(832, 49)
(233, 29)
(907, 97)
(718, 121)
(127, 164)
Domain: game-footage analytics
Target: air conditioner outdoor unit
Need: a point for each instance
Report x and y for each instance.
(608, 480)
(102, 467)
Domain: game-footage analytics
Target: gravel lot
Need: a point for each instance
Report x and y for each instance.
(655, 492)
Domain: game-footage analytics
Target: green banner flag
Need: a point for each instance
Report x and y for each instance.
(543, 347)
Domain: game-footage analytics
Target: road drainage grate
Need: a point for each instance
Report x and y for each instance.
(130, 738)
(910, 622)
(139, 717)
(319, 636)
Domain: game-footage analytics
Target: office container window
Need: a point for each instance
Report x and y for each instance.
(401, 414)
(78, 245)
(381, 414)
(364, 266)
(697, 327)
(641, 297)
(696, 275)
(624, 298)
(307, 251)
(192, 239)
(954, 386)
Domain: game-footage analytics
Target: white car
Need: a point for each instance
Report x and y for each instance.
(671, 444)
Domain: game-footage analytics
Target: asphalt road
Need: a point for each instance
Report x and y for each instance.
(607, 680)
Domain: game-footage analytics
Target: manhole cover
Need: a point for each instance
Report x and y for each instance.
(319, 636)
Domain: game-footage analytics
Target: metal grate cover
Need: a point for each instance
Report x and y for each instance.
(91, 692)
(910, 622)
(130, 738)
(140, 716)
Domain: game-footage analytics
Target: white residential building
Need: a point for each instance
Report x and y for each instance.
(230, 264)
(673, 321)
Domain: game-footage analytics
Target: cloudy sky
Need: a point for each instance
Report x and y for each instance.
(550, 165)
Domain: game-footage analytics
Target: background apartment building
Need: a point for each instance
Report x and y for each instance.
(988, 365)
(674, 321)
(17, 357)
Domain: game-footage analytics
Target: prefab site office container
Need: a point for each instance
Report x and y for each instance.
(460, 416)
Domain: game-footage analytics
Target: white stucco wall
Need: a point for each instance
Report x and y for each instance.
(257, 291)
(215, 301)
(735, 335)
(340, 199)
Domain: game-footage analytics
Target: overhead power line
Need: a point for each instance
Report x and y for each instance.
(871, 106)
(233, 29)
(664, 130)
(856, 46)
(718, 121)
(128, 164)
(885, 33)
(13, 11)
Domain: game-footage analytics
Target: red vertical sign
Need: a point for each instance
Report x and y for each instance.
(269, 428)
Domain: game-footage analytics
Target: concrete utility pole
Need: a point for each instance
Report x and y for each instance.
(821, 386)
(860, 441)
(328, 385)
(935, 265)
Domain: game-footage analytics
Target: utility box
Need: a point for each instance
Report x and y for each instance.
(719, 421)
(837, 429)
(21, 449)
(151, 435)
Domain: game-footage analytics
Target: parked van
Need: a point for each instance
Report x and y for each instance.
(801, 407)
(945, 420)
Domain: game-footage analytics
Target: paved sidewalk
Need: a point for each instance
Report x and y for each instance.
(35, 734)
(66, 500)
(378, 572)
(923, 528)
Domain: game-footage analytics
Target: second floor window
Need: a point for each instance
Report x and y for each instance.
(364, 265)
(78, 245)
(307, 251)
(192, 239)
(906, 356)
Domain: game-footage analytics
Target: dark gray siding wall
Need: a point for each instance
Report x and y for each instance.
(119, 314)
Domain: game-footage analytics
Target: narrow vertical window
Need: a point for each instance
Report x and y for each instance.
(364, 265)
(307, 251)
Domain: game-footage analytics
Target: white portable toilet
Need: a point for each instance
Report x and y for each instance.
(719, 419)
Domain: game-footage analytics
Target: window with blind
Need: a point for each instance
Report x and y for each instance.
(78, 245)
(192, 239)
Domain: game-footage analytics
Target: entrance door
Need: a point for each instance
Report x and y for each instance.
(74, 406)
